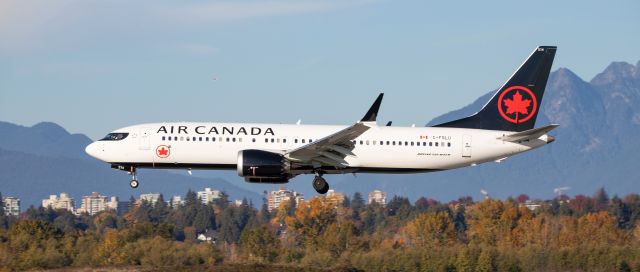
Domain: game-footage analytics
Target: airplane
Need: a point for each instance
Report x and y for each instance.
(276, 153)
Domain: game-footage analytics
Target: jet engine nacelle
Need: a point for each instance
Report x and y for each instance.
(261, 166)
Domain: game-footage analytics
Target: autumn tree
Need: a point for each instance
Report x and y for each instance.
(260, 244)
(312, 218)
(430, 230)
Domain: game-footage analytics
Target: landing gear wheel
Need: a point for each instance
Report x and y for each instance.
(320, 184)
(134, 178)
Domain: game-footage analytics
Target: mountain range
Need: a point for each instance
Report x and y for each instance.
(595, 147)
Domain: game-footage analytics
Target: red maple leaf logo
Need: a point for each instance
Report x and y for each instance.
(517, 105)
(162, 151)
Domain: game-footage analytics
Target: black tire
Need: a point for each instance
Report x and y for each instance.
(325, 189)
(134, 184)
(320, 185)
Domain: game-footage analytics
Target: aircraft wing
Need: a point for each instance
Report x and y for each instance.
(332, 149)
(528, 134)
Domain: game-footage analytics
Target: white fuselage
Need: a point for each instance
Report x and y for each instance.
(380, 149)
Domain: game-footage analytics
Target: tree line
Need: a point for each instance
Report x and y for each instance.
(583, 233)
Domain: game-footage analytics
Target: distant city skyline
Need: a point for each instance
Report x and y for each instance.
(96, 66)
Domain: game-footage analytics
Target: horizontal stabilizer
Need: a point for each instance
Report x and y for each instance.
(528, 134)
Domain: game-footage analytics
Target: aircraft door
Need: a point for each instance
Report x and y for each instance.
(466, 146)
(143, 140)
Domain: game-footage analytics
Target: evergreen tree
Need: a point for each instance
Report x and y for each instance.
(265, 215)
(159, 211)
(601, 200)
(346, 203)
(357, 204)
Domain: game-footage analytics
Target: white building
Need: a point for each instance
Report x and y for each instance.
(531, 205)
(95, 203)
(150, 198)
(335, 198)
(207, 196)
(176, 201)
(276, 197)
(11, 206)
(378, 196)
(62, 202)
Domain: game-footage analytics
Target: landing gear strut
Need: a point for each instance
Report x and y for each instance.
(320, 184)
(134, 180)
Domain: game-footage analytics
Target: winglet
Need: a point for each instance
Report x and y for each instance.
(373, 111)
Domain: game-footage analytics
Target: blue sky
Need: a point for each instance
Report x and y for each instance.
(94, 66)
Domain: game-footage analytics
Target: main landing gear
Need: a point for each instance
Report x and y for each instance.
(320, 184)
(134, 180)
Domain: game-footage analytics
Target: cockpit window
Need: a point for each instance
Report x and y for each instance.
(115, 136)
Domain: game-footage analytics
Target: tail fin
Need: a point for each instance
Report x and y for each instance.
(515, 105)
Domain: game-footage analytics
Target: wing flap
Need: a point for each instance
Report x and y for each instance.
(333, 149)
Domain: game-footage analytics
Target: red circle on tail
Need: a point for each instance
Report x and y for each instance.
(516, 105)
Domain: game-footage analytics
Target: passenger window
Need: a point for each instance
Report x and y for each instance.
(206, 139)
(194, 139)
(387, 142)
(303, 141)
(188, 139)
(266, 140)
(163, 138)
(310, 140)
(219, 139)
(233, 139)
(394, 142)
(449, 144)
(213, 139)
(361, 142)
(430, 143)
(381, 142)
(240, 139)
(175, 138)
(227, 139)
(367, 142)
(411, 143)
(284, 141)
(295, 141)
(200, 139)
(436, 143)
(406, 143)
(272, 140)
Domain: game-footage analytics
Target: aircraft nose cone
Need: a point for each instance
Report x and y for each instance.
(93, 150)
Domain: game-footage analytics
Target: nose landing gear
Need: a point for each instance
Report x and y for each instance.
(320, 184)
(134, 180)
